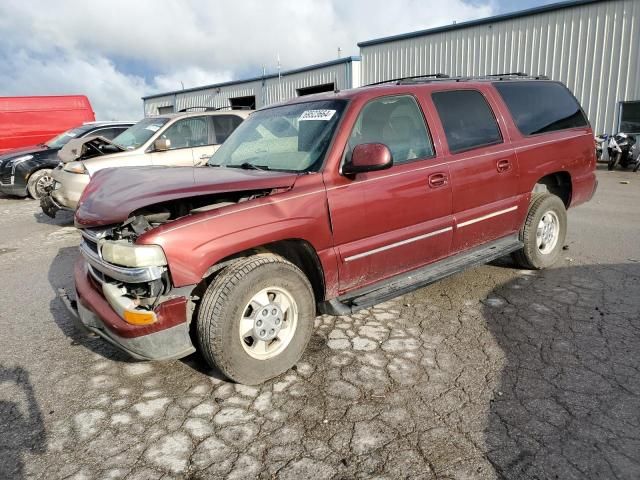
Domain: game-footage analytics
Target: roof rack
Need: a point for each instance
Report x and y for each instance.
(402, 79)
(443, 77)
(492, 77)
(214, 109)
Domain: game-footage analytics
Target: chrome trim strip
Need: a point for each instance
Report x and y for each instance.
(397, 244)
(488, 216)
(123, 274)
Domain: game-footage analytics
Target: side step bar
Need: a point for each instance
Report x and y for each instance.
(415, 279)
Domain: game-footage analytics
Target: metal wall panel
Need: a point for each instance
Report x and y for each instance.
(594, 49)
(268, 91)
(151, 105)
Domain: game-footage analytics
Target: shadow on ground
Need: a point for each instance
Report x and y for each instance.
(568, 403)
(21, 426)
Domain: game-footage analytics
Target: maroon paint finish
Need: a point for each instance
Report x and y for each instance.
(169, 313)
(26, 121)
(114, 193)
(368, 157)
(364, 227)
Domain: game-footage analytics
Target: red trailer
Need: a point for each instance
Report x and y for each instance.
(26, 121)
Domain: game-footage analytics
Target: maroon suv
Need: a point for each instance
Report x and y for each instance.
(329, 204)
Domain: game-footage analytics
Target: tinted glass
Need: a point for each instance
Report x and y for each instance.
(398, 123)
(224, 125)
(540, 107)
(108, 133)
(292, 137)
(630, 117)
(62, 139)
(467, 119)
(188, 133)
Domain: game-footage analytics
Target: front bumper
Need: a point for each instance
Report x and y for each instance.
(68, 188)
(165, 339)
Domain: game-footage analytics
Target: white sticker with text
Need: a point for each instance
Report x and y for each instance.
(153, 128)
(325, 115)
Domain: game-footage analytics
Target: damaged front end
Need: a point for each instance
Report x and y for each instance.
(124, 293)
(88, 147)
(124, 289)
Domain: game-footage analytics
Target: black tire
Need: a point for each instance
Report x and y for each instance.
(222, 308)
(612, 162)
(530, 256)
(637, 166)
(35, 185)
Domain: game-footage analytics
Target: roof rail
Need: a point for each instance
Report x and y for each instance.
(214, 109)
(401, 79)
(491, 77)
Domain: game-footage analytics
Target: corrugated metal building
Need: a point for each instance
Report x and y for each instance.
(342, 73)
(593, 46)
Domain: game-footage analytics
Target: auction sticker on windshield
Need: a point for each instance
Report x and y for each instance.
(325, 115)
(153, 128)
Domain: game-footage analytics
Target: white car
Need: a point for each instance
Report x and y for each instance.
(180, 139)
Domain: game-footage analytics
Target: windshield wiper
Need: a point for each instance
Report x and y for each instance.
(249, 166)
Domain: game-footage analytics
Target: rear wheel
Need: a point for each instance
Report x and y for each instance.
(543, 232)
(39, 182)
(256, 318)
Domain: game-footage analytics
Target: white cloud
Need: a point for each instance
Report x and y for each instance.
(55, 47)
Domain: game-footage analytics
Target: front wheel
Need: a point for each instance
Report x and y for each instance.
(256, 318)
(543, 232)
(39, 182)
(612, 161)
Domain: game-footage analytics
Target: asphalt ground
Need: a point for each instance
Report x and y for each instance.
(492, 373)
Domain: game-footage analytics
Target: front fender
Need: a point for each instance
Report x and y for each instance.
(193, 244)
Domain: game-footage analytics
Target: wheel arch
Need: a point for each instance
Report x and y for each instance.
(557, 183)
(296, 250)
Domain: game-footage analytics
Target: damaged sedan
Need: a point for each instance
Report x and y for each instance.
(180, 139)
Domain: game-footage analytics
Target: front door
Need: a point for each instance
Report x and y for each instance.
(189, 139)
(483, 168)
(395, 220)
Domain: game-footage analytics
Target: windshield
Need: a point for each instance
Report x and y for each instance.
(292, 138)
(62, 139)
(137, 135)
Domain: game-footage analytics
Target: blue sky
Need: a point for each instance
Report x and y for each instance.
(117, 51)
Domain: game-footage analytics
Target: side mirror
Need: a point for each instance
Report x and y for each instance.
(368, 157)
(162, 144)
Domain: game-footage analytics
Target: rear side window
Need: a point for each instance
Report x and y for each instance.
(541, 107)
(467, 119)
(224, 125)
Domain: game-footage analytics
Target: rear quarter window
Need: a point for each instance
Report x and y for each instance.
(541, 107)
(467, 119)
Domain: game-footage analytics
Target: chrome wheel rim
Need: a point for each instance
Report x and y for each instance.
(43, 184)
(268, 323)
(548, 232)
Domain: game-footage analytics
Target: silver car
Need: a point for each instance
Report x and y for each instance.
(180, 139)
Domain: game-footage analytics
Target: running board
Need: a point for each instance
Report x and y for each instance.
(415, 279)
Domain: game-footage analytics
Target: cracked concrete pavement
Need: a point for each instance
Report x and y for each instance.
(493, 373)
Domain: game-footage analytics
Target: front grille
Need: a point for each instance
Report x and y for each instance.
(5, 178)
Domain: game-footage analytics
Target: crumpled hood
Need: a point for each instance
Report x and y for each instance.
(86, 147)
(114, 193)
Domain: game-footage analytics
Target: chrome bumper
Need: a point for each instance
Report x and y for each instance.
(122, 274)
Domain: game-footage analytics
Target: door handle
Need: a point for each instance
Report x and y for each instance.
(503, 165)
(438, 180)
(204, 155)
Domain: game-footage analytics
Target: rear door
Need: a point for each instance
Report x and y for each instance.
(483, 167)
(221, 126)
(395, 220)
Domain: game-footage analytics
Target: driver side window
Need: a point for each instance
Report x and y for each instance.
(188, 133)
(396, 122)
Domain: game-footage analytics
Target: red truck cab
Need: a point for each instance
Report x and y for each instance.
(26, 121)
(329, 204)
